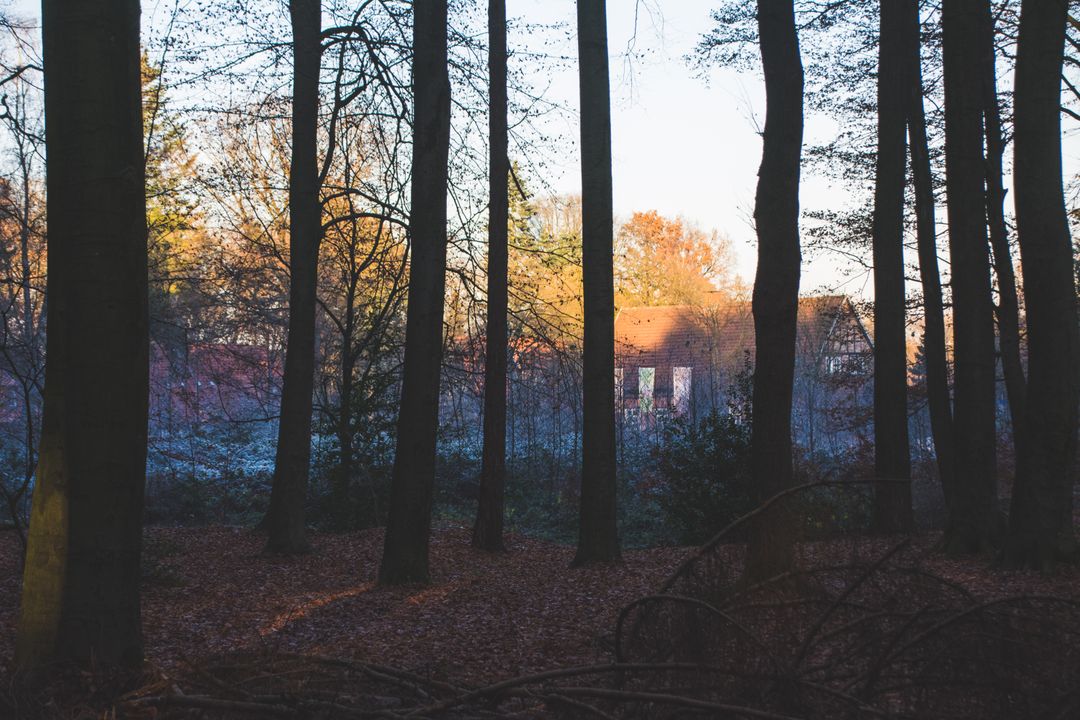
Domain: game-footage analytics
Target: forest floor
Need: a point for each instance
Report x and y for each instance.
(211, 590)
(209, 593)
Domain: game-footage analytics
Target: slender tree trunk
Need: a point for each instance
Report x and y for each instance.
(29, 333)
(343, 511)
(973, 524)
(598, 537)
(1007, 311)
(892, 457)
(344, 507)
(285, 518)
(405, 553)
(937, 367)
(80, 598)
(776, 285)
(1040, 521)
(488, 530)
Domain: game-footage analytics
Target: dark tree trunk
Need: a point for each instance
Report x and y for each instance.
(776, 285)
(973, 524)
(598, 537)
(1040, 522)
(80, 597)
(488, 530)
(937, 368)
(1007, 310)
(285, 518)
(344, 507)
(405, 553)
(892, 458)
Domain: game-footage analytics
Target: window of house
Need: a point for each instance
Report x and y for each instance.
(681, 379)
(646, 382)
(854, 364)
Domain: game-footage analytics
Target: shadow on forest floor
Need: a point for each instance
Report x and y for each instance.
(876, 628)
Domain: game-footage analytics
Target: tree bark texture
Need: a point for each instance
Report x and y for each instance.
(892, 458)
(776, 285)
(1007, 310)
(405, 552)
(1040, 519)
(934, 354)
(973, 524)
(598, 538)
(488, 530)
(80, 598)
(285, 517)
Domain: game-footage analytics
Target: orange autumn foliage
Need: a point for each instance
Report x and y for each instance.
(662, 261)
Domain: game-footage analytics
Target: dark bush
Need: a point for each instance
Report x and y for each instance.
(368, 493)
(834, 510)
(703, 480)
(233, 497)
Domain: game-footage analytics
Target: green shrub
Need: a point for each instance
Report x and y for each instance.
(703, 475)
(834, 510)
(231, 497)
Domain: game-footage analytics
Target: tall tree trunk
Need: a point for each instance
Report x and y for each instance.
(344, 507)
(80, 598)
(405, 553)
(937, 367)
(285, 518)
(1007, 310)
(598, 537)
(973, 524)
(29, 334)
(892, 457)
(776, 285)
(488, 530)
(1040, 521)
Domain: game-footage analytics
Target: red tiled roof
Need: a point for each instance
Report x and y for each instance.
(717, 333)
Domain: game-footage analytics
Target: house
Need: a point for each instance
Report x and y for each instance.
(213, 382)
(683, 360)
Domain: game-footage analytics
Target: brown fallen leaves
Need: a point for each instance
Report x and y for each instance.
(211, 596)
(484, 617)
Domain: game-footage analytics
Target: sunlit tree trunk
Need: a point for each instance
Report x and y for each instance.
(405, 553)
(776, 285)
(1007, 310)
(937, 368)
(1040, 521)
(973, 524)
(598, 537)
(488, 530)
(892, 457)
(80, 598)
(285, 517)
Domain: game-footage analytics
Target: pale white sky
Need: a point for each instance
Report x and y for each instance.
(681, 145)
(685, 145)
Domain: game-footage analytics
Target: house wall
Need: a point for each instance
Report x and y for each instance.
(833, 375)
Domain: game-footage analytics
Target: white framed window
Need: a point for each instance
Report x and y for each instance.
(646, 383)
(681, 388)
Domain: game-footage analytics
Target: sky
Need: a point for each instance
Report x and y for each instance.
(682, 144)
